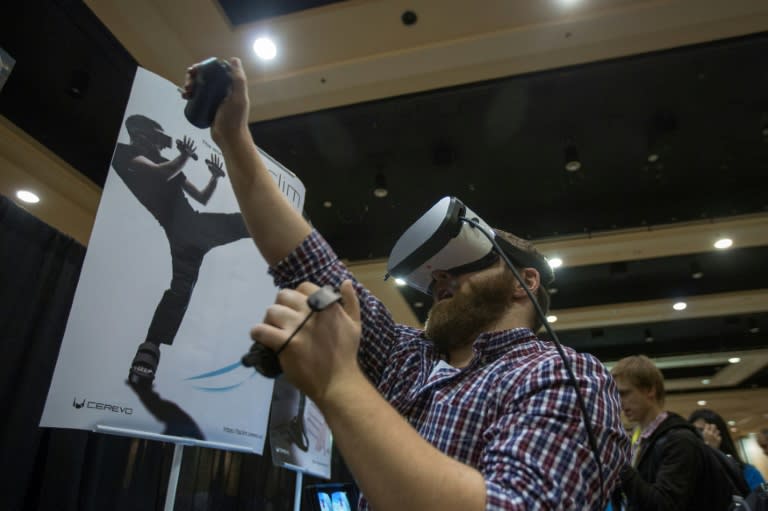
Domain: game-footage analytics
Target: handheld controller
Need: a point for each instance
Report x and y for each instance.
(211, 84)
(263, 359)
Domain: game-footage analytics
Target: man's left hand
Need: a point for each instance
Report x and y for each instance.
(322, 356)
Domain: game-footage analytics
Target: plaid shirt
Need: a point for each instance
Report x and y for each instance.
(511, 413)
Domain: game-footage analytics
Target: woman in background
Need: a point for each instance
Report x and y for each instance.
(716, 434)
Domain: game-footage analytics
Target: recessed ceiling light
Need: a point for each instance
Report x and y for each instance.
(555, 262)
(653, 158)
(572, 161)
(731, 423)
(701, 402)
(706, 381)
(27, 196)
(264, 48)
(696, 272)
(680, 306)
(723, 243)
(327, 204)
(380, 189)
(399, 282)
(734, 360)
(648, 335)
(551, 318)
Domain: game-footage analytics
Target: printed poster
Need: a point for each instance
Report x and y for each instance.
(170, 287)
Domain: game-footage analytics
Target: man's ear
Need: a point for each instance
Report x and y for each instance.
(532, 280)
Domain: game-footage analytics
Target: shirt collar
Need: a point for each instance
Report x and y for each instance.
(490, 345)
(650, 428)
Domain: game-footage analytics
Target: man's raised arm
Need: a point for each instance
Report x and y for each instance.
(275, 225)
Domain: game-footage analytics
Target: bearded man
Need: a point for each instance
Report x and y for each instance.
(474, 412)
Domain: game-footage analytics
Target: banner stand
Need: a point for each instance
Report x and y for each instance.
(178, 440)
(173, 477)
(178, 452)
(297, 491)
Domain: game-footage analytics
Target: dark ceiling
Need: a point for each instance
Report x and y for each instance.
(498, 145)
(241, 13)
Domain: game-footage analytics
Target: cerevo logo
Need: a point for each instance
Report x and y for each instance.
(95, 405)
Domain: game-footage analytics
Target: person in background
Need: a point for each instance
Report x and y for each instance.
(473, 413)
(668, 469)
(715, 433)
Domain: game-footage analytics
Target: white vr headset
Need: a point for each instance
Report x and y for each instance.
(448, 238)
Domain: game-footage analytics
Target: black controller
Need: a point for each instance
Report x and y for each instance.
(211, 84)
(263, 359)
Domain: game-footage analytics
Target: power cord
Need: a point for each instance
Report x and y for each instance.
(558, 346)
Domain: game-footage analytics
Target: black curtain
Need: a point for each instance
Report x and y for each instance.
(57, 469)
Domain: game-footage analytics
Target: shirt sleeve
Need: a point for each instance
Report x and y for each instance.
(539, 456)
(753, 476)
(315, 261)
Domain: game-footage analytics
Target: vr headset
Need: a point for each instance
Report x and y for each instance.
(448, 237)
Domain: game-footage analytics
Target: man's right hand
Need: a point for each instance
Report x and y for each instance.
(231, 119)
(186, 147)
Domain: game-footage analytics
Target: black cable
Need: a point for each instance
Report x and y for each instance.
(558, 346)
(290, 337)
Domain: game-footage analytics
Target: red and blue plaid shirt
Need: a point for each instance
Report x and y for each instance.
(511, 413)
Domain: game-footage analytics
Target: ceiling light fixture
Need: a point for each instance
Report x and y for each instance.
(409, 18)
(734, 360)
(27, 196)
(555, 262)
(731, 423)
(696, 272)
(327, 204)
(264, 48)
(723, 243)
(551, 318)
(752, 326)
(680, 306)
(572, 161)
(648, 335)
(706, 381)
(380, 190)
(701, 402)
(660, 129)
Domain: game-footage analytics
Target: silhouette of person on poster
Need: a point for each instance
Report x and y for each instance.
(162, 188)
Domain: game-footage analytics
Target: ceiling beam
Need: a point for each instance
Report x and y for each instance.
(68, 200)
(651, 311)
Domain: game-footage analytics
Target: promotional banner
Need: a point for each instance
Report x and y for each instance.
(170, 287)
(299, 437)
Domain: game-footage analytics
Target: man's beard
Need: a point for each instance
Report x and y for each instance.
(457, 321)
